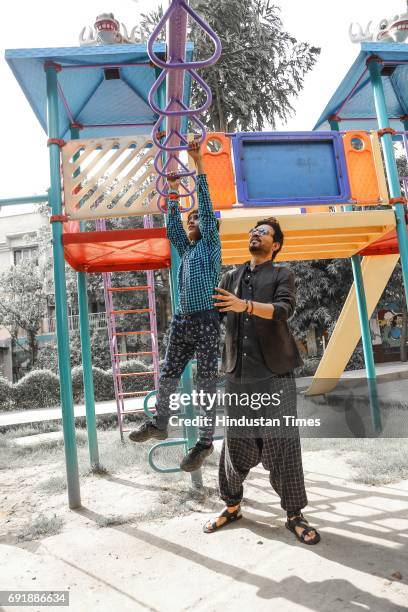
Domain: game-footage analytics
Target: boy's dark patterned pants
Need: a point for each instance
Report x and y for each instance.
(197, 334)
(277, 448)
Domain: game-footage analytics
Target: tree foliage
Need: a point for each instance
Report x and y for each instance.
(23, 304)
(321, 289)
(261, 69)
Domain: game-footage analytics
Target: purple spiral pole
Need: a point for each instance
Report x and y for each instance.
(174, 71)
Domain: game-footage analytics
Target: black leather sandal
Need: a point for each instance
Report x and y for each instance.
(300, 521)
(230, 517)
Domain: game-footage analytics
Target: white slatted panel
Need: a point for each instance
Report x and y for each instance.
(109, 177)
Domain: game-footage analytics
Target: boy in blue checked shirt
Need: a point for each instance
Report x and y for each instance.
(195, 328)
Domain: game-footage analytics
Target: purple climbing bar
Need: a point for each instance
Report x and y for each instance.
(174, 71)
(171, 144)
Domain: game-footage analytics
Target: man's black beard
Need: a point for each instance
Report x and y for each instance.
(257, 250)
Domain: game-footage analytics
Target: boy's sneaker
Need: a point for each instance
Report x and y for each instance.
(195, 457)
(146, 431)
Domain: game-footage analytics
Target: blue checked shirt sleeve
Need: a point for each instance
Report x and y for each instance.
(206, 218)
(175, 230)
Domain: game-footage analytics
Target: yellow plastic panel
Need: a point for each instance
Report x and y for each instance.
(316, 236)
(376, 272)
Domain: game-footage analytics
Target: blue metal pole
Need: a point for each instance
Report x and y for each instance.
(87, 370)
(64, 361)
(374, 68)
(87, 358)
(368, 351)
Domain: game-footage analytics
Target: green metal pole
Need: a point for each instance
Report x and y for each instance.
(190, 432)
(334, 123)
(36, 199)
(367, 343)
(374, 68)
(87, 358)
(368, 350)
(64, 361)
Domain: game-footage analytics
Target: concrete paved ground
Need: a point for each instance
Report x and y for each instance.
(170, 565)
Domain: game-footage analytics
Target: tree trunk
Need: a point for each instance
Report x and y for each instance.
(33, 344)
(222, 124)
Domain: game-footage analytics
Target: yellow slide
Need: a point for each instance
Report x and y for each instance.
(376, 272)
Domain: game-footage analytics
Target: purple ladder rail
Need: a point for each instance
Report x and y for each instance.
(113, 333)
(174, 72)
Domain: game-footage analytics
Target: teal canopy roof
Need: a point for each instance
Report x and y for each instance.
(353, 100)
(99, 85)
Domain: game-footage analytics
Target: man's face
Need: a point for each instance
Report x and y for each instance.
(193, 230)
(262, 241)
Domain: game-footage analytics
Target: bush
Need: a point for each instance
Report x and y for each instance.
(103, 384)
(356, 361)
(40, 388)
(47, 358)
(100, 349)
(77, 384)
(6, 394)
(37, 389)
(309, 367)
(136, 383)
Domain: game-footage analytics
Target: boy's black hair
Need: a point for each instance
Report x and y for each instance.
(195, 212)
(278, 234)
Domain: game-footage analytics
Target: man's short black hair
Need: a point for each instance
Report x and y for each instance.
(195, 212)
(278, 234)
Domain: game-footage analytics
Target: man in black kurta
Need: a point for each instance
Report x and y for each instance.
(259, 357)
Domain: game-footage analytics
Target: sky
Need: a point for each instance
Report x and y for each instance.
(24, 154)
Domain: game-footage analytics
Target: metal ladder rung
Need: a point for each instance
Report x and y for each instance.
(115, 335)
(133, 354)
(136, 374)
(139, 288)
(124, 393)
(119, 312)
(133, 333)
(135, 411)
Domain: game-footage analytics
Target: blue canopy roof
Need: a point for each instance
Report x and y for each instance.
(92, 95)
(354, 96)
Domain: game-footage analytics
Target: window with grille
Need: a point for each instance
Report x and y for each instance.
(25, 254)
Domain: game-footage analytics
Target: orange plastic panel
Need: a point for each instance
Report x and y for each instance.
(317, 209)
(117, 250)
(361, 168)
(219, 170)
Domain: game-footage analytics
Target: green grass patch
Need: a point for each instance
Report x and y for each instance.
(53, 485)
(41, 527)
(113, 520)
(375, 461)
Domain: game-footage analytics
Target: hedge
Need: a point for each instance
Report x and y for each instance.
(40, 388)
(6, 390)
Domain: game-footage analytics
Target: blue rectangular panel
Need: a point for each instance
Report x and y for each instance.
(290, 168)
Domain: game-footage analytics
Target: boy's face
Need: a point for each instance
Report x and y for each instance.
(193, 229)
